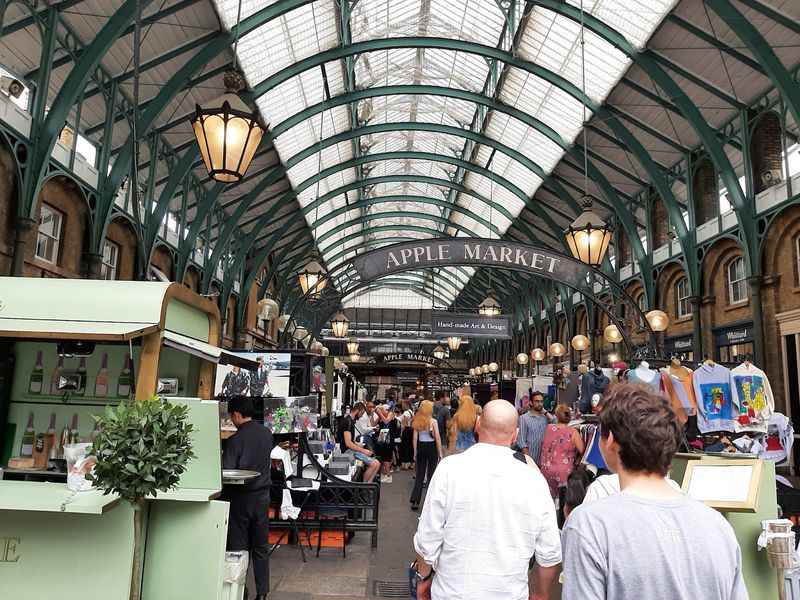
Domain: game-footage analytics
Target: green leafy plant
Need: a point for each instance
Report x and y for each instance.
(141, 448)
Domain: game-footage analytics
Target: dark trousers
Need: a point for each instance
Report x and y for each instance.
(427, 458)
(248, 529)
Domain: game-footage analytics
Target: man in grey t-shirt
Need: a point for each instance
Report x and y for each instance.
(649, 542)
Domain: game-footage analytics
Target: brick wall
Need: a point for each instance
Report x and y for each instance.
(668, 300)
(766, 150)
(121, 233)
(706, 194)
(659, 223)
(191, 279)
(162, 260)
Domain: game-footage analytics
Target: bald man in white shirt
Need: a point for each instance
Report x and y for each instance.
(486, 513)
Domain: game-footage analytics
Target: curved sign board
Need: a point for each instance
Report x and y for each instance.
(447, 252)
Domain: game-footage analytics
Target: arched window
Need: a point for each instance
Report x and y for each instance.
(797, 260)
(682, 306)
(737, 281)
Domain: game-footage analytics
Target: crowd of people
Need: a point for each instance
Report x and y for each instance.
(513, 499)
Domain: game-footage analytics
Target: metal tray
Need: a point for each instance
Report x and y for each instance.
(238, 476)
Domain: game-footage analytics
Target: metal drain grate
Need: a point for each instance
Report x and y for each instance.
(390, 589)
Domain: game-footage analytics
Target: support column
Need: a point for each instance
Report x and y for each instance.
(94, 263)
(758, 319)
(697, 329)
(23, 228)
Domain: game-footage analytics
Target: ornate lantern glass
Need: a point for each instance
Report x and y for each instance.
(352, 346)
(339, 325)
(538, 354)
(612, 334)
(484, 369)
(493, 367)
(522, 358)
(439, 352)
(472, 372)
(454, 342)
(580, 342)
(490, 307)
(658, 320)
(228, 133)
(588, 236)
(557, 349)
(312, 278)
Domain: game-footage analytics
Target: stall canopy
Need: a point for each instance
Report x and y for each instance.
(207, 351)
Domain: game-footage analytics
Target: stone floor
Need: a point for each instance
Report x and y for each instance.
(331, 577)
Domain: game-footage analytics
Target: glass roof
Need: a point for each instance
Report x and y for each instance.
(549, 40)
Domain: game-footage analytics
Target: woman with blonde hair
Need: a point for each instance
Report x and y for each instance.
(462, 426)
(427, 448)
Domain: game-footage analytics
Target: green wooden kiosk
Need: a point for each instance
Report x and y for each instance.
(55, 543)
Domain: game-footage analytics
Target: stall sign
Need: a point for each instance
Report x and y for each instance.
(445, 323)
(406, 357)
(679, 344)
(734, 335)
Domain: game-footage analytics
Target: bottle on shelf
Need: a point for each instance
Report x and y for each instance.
(56, 376)
(124, 382)
(64, 441)
(101, 382)
(37, 375)
(52, 440)
(73, 432)
(82, 373)
(28, 439)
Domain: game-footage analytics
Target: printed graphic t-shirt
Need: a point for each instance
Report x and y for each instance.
(716, 408)
(753, 396)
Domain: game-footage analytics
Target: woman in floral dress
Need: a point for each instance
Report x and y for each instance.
(561, 447)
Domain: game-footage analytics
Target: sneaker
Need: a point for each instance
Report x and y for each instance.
(386, 479)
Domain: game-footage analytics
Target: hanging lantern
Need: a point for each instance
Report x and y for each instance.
(316, 347)
(493, 367)
(490, 307)
(352, 346)
(485, 369)
(300, 333)
(613, 357)
(439, 352)
(522, 358)
(588, 236)
(228, 133)
(267, 309)
(580, 342)
(325, 351)
(454, 343)
(339, 325)
(538, 354)
(312, 278)
(658, 320)
(472, 372)
(556, 349)
(612, 334)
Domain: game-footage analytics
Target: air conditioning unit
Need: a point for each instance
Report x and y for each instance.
(771, 177)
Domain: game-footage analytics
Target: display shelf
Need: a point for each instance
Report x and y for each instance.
(53, 497)
(70, 399)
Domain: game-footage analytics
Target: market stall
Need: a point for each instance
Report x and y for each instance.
(69, 348)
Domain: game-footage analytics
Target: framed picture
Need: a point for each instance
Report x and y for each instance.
(723, 483)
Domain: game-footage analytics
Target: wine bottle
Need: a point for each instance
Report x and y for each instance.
(82, 374)
(54, 378)
(28, 439)
(52, 440)
(101, 383)
(124, 383)
(73, 432)
(37, 375)
(64, 441)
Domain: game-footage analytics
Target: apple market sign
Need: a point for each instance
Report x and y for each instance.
(447, 252)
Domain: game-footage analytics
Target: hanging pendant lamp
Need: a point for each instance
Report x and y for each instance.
(439, 352)
(490, 307)
(312, 279)
(454, 343)
(339, 325)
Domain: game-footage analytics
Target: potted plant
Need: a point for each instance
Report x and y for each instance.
(141, 448)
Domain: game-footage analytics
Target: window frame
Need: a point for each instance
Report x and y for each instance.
(733, 285)
(106, 267)
(59, 228)
(797, 260)
(683, 308)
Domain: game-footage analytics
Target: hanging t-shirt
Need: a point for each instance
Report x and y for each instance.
(592, 383)
(680, 393)
(713, 388)
(645, 376)
(753, 396)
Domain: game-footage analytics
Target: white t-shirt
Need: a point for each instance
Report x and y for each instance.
(608, 485)
(485, 515)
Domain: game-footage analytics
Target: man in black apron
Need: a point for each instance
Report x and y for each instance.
(248, 527)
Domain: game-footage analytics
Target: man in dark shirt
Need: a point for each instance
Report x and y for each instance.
(346, 436)
(248, 527)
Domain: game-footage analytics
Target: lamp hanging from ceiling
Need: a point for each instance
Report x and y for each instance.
(484, 368)
(557, 349)
(439, 352)
(612, 334)
(658, 320)
(580, 342)
(454, 343)
(312, 279)
(352, 346)
(490, 307)
(339, 325)
(228, 132)
(472, 372)
(588, 236)
(538, 354)
(493, 367)
(522, 358)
